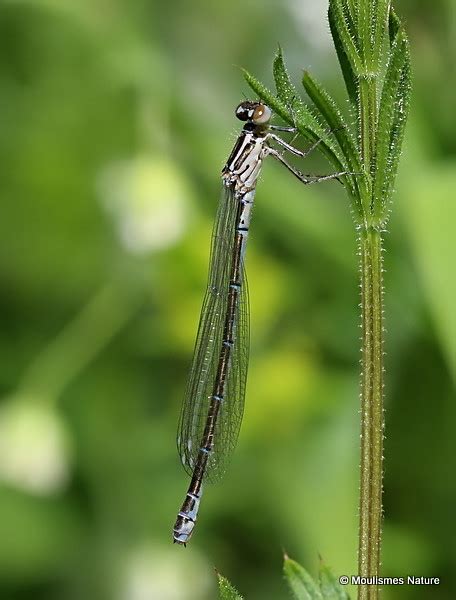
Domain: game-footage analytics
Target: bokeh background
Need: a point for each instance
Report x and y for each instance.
(115, 120)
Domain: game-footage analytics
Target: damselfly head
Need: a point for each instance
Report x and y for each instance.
(256, 112)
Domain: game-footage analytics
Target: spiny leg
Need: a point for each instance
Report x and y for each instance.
(291, 148)
(306, 179)
(281, 128)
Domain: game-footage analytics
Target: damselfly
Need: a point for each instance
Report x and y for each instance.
(214, 399)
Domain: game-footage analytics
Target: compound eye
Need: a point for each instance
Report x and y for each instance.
(243, 112)
(261, 114)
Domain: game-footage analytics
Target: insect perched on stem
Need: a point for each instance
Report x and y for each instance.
(214, 399)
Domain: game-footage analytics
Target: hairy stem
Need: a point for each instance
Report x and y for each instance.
(370, 508)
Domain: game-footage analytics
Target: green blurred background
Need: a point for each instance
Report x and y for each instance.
(115, 120)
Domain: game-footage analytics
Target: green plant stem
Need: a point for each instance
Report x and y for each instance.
(370, 509)
(371, 469)
(360, 30)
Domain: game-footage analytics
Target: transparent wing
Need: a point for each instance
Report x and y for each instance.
(232, 409)
(207, 351)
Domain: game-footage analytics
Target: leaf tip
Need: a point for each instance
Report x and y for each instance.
(226, 590)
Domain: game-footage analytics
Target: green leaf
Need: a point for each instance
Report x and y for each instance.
(226, 590)
(298, 115)
(380, 27)
(366, 11)
(349, 77)
(287, 94)
(346, 34)
(352, 11)
(285, 89)
(333, 117)
(336, 122)
(329, 586)
(394, 26)
(394, 108)
(301, 583)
